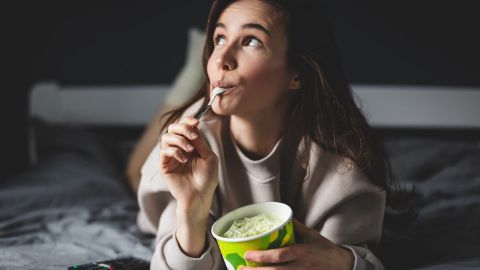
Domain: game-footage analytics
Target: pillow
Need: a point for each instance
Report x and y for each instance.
(191, 76)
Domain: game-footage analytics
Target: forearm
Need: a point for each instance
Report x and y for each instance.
(191, 233)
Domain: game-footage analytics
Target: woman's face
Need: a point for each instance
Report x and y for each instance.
(250, 59)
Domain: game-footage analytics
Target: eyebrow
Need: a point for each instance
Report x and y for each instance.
(249, 26)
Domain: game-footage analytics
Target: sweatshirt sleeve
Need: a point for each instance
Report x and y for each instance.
(157, 216)
(356, 225)
(364, 258)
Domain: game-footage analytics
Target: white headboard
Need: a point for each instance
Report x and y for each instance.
(96, 105)
(384, 105)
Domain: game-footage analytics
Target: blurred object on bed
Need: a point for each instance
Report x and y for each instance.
(191, 76)
(186, 83)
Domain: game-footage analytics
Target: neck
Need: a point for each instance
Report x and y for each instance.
(257, 134)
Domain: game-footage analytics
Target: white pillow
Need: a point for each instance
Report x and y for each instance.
(191, 76)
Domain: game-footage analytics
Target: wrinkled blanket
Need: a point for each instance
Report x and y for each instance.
(64, 212)
(445, 174)
(73, 207)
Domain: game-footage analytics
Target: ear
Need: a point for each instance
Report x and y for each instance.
(295, 83)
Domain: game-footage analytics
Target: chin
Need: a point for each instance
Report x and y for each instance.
(222, 110)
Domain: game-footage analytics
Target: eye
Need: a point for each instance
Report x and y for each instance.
(253, 42)
(219, 40)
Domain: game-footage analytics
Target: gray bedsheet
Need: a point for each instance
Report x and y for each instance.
(72, 208)
(445, 172)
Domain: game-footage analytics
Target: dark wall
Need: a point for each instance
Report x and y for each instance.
(142, 42)
(19, 47)
(409, 42)
(118, 41)
(406, 42)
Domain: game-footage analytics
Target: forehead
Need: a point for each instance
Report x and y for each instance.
(248, 11)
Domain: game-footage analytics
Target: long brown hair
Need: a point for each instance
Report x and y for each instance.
(324, 109)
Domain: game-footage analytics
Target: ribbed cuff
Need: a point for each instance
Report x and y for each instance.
(359, 263)
(176, 259)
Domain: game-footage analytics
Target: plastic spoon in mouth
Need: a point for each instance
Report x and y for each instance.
(215, 92)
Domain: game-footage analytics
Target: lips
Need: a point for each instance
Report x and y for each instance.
(222, 84)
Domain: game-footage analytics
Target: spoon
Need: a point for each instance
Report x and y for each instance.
(216, 91)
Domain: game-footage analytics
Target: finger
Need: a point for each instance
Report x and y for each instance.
(167, 153)
(287, 266)
(278, 255)
(201, 146)
(189, 120)
(187, 127)
(169, 140)
(183, 129)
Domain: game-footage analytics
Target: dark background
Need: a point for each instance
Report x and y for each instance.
(143, 42)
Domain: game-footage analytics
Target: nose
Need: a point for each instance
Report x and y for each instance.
(226, 59)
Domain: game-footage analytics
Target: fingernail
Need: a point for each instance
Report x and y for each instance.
(193, 135)
(189, 147)
(247, 256)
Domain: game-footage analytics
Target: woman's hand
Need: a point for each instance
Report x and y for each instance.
(316, 252)
(190, 170)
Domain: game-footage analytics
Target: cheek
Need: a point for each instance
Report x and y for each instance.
(267, 74)
(259, 73)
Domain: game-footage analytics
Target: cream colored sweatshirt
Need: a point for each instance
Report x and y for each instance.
(330, 195)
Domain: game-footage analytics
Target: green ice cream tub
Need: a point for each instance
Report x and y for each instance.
(234, 249)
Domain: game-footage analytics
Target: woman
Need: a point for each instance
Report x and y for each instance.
(287, 129)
